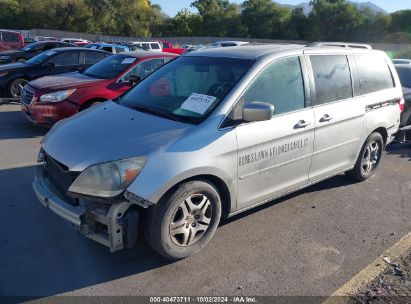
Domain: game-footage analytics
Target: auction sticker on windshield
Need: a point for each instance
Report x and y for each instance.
(198, 103)
(128, 60)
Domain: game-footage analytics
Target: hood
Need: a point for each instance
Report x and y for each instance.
(109, 132)
(64, 81)
(14, 66)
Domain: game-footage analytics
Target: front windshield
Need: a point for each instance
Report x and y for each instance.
(41, 58)
(29, 47)
(110, 67)
(188, 88)
(405, 77)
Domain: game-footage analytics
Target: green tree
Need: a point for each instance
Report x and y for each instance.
(218, 18)
(333, 20)
(265, 19)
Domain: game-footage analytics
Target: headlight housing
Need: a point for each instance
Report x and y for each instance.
(57, 96)
(108, 179)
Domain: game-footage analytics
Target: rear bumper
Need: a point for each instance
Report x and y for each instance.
(114, 228)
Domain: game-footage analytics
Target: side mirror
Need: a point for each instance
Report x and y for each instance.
(50, 65)
(258, 111)
(134, 79)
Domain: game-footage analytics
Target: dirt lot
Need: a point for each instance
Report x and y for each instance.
(393, 286)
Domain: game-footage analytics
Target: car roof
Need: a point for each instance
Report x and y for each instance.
(231, 41)
(254, 51)
(143, 54)
(246, 51)
(110, 44)
(77, 48)
(9, 31)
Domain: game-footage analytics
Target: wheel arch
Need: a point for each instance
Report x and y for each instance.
(216, 181)
(383, 132)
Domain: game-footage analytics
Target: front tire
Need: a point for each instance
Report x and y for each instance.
(16, 86)
(183, 223)
(368, 159)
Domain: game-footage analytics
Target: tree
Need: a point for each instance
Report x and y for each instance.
(333, 20)
(265, 19)
(186, 23)
(218, 18)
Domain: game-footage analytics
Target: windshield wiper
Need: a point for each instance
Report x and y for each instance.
(156, 112)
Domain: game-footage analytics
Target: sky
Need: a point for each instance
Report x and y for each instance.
(171, 7)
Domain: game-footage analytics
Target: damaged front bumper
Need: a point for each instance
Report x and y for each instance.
(114, 226)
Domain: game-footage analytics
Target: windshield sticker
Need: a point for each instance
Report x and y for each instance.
(129, 60)
(51, 53)
(198, 103)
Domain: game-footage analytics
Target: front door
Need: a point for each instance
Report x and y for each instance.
(274, 156)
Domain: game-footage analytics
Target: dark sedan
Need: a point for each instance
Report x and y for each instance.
(404, 72)
(14, 76)
(29, 51)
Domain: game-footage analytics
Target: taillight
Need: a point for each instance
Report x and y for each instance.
(401, 103)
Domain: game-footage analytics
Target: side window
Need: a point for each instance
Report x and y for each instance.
(145, 46)
(93, 57)
(374, 73)
(143, 69)
(66, 58)
(332, 78)
(48, 46)
(280, 84)
(154, 46)
(108, 49)
(120, 50)
(9, 37)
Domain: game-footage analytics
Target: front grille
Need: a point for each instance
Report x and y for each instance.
(26, 96)
(60, 177)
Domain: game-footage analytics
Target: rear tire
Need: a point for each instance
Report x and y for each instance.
(183, 223)
(368, 159)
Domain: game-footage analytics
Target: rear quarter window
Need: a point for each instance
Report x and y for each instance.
(374, 73)
(332, 78)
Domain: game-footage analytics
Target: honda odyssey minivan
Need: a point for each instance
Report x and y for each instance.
(214, 133)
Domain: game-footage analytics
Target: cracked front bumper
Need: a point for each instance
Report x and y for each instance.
(114, 226)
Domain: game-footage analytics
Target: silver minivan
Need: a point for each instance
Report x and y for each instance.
(214, 133)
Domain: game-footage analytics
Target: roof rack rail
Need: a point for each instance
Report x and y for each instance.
(341, 44)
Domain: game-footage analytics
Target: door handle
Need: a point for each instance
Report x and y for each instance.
(302, 124)
(326, 118)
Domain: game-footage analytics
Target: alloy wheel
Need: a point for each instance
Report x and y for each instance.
(370, 157)
(191, 220)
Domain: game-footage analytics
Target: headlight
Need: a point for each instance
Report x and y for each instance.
(3, 74)
(57, 96)
(4, 57)
(108, 179)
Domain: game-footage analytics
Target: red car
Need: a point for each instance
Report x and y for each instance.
(47, 100)
(10, 40)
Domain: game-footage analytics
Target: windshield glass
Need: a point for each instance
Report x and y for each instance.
(405, 77)
(41, 58)
(30, 46)
(188, 88)
(110, 67)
